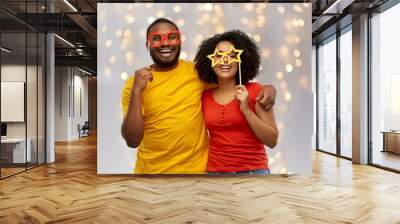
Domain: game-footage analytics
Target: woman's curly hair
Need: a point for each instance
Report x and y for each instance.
(250, 57)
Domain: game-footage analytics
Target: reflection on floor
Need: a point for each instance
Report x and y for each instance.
(386, 159)
(10, 169)
(70, 191)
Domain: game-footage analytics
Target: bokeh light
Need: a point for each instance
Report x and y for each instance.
(295, 22)
(257, 38)
(129, 18)
(262, 5)
(124, 76)
(177, 8)
(249, 7)
(107, 71)
(124, 44)
(284, 51)
(118, 33)
(113, 59)
(298, 62)
(208, 7)
(220, 29)
(129, 55)
(199, 38)
(279, 75)
(259, 24)
(206, 17)
(289, 68)
(217, 8)
(265, 53)
(303, 82)
(300, 22)
(160, 13)
(261, 18)
(108, 43)
(296, 53)
(288, 96)
(150, 20)
(214, 20)
(127, 33)
(297, 8)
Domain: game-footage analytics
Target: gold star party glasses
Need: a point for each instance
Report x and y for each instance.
(233, 55)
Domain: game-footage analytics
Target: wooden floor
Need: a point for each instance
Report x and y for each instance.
(5, 172)
(70, 191)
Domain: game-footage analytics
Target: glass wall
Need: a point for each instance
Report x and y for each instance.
(22, 79)
(385, 89)
(346, 93)
(327, 96)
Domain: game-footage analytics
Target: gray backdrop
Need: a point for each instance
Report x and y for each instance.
(282, 32)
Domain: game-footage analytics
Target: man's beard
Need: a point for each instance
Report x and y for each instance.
(165, 64)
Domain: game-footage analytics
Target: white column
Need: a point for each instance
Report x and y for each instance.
(50, 99)
(360, 90)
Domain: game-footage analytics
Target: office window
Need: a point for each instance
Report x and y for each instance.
(385, 89)
(22, 78)
(346, 94)
(14, 149)
(327, 96)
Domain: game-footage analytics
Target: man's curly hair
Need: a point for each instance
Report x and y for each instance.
(250, 57)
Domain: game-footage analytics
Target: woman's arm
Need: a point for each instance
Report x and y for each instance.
(262, 122)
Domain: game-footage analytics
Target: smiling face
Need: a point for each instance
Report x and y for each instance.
(164, 43)
(224, 70)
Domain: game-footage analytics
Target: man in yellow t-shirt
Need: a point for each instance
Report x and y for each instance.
(163, 118)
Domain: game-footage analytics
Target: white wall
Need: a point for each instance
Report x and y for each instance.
(16, 73)
(33, 127)
(286, 28)
(70, 83)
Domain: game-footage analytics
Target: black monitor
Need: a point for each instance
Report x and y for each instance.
(3, 129)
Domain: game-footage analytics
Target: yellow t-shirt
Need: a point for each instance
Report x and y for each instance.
(175, 138)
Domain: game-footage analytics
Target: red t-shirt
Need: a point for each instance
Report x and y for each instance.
(233, 145)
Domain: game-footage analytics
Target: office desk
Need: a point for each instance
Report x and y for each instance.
(391, 141)
(15, 148)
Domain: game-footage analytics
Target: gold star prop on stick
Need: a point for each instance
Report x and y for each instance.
(221, 56)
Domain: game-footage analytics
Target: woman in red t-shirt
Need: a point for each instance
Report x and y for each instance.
(238, 126)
